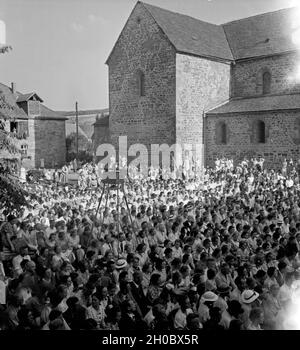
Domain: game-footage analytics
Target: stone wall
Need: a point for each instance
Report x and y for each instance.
(282, 137)
(100, 136)
(34, 108)
(50, 142)
(142, 47)
(247, 75)
(30, 162)
(200, 85)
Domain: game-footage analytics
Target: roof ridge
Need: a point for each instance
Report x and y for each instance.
(258, 96)
(153, 11)
(180, 14)
(228, 42)
(258, 15)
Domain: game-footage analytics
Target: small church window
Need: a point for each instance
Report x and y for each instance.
(221, 133)
(266, 83)
(260, 132)
(141, 83)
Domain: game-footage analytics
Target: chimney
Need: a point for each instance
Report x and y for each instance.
(13, 88)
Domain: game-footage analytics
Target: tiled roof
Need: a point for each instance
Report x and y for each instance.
(83, 112)
(47, 113)
(26, 97)
(265, 34)
(8, 106)
(259, 104)
(191, 35)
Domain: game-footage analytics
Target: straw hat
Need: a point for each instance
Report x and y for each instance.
(209, 296)
(121, 263)
(248, 296)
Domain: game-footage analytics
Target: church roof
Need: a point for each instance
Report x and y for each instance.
(191, 35)
(258, 104)
(261, 35)
(265, 34)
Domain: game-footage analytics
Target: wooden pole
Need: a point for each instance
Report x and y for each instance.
(77, 147)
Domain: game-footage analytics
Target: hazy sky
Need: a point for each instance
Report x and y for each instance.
(60, 46)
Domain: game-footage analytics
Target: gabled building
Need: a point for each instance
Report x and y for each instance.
(38, 131)
(230, 88)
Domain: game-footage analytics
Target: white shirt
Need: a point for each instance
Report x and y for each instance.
(180, 318)
(17, 263)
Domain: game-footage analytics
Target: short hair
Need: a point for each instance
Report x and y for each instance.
(211, 273)
(255, 313)
(154, 278)
(54, 314)
(56, 324)
(235, 325)
(282, 265)
(271, 271)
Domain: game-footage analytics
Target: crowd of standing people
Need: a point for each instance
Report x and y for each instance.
(210, 252)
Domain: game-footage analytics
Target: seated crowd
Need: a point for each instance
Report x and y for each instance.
(215, 252)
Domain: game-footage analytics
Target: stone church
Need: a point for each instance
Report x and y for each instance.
(230, 88)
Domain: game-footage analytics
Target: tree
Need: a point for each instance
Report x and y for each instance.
(5, 48)
(85, 148)
(12, 195)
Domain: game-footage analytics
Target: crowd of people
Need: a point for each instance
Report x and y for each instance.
(210, 252)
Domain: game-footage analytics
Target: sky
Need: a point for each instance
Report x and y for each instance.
(60, 46)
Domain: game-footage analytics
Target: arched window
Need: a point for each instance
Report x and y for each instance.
(221, 133)
(260, 132)
(141, 83)
(266, 82)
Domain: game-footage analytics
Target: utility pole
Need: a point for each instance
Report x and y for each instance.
(76, 107)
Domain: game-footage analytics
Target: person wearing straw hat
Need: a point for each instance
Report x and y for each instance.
(207, 301)
(249, 300)
(121, 264)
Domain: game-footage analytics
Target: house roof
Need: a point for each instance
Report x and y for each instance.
(47, 113)
(8, 106)
(191, 35)
(261, 35)
(265, 34)
(258, 104)
(102, 120)
(83, 112)
(27, 97)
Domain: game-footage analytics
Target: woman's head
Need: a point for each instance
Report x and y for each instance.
(155, 279)
(95, 301)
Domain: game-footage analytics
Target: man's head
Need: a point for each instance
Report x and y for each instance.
(30, 266)
(225, 269)
(193, 322)
(138, 277)
(256, 316)
(24, 251)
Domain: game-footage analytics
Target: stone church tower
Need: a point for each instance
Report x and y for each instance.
(228, 88)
